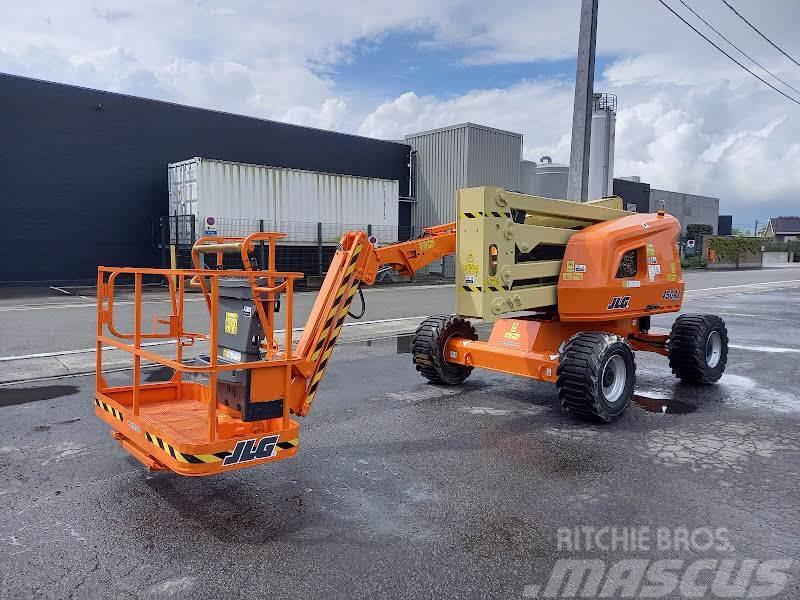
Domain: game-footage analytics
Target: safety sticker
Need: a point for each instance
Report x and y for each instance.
(652, 260)
(470, 267)
(632, 283)
(672, 277)
(513, 332)
(491, 282)
(247, 311)
(570, 266)
(580, 268)
(231, 354)
(573, 276)
(651, 250)
(469, 279)
(427, 245)
(231, 323)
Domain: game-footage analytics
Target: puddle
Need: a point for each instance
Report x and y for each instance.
(667, 406)
(159, 374)
(14, 396)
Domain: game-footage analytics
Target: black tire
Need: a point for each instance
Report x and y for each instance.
(596, 376)
(428, 347)
(698, 348)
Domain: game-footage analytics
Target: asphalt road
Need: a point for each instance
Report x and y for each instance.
(52, 322)
(402, 489)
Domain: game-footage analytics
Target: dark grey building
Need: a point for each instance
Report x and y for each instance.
(83, 173)
(635, 194)
(725, 225)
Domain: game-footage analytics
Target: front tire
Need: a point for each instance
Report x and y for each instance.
(429, 345)
(698, 348)
(596, 376)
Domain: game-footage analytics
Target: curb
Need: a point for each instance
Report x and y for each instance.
(72, 363)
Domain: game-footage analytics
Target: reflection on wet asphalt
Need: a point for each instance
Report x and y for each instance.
(22, 395)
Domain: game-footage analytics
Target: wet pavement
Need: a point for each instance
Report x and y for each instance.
(405, 489)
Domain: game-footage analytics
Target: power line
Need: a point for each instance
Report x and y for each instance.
(742, 52)
(754, 28)
(700, 33)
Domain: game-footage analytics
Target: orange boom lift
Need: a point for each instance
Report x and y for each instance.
(570, 289)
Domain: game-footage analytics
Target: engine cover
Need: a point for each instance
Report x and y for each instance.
(624, 268)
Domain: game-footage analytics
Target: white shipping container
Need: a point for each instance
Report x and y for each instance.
(289, 200)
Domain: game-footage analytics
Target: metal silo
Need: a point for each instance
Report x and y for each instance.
(601, 148)
(527, 177)
(551, 178)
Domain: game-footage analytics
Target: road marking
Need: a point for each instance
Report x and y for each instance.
(748, 285)
(770, 349)
(172, 341)
(92, 303)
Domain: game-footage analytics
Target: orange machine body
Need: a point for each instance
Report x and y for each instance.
(593, 285)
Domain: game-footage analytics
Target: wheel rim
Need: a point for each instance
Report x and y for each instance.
(614, 378)
(713, 349)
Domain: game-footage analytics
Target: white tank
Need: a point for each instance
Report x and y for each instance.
(601, 149)
(551, 178)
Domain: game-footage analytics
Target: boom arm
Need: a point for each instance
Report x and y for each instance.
(356, 262)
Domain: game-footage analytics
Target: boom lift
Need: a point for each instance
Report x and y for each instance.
(570, 288)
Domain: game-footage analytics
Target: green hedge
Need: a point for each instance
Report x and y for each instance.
(734, 247)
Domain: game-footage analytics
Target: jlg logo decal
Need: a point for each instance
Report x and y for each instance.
(248, 450)
(619, 302)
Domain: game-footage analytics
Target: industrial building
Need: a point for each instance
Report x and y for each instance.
(84, 172)
(466, 155)
(687, 208)
(92, 177)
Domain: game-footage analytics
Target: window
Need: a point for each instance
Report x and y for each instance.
(628, 264)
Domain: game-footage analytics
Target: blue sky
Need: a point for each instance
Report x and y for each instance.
(407, 60)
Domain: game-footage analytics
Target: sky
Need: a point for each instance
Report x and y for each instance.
(688, 119)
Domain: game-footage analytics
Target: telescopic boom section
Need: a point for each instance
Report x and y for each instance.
(357, 261)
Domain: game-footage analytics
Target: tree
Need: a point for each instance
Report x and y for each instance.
(738, 231)
(699, 229)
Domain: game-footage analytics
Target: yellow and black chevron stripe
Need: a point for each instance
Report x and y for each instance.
(194, 459)
(333, 324)
(287, 445)
(489, 288)
(109, 409)
(493, 213)
(197, 459)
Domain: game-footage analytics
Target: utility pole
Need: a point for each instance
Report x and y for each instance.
(755, 229)
(577, 186)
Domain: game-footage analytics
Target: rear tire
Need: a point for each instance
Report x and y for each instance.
(596, 376)
(429, 345)
(698, 348)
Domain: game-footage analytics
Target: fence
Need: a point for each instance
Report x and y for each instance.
(307, 247)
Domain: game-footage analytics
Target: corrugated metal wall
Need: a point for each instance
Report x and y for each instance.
(493, 157)
(289, 200)
(465, 155)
